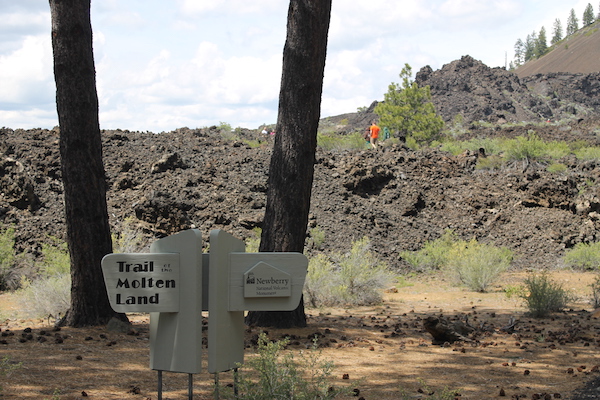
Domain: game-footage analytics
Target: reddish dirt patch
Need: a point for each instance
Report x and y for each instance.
(382, 349)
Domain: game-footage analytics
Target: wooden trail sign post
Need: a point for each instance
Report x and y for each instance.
(172, 284)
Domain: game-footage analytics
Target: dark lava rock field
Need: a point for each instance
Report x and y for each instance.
(400, 198)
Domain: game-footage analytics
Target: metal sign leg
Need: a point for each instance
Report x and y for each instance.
(160, 385)
(235, 382)
(217, 394)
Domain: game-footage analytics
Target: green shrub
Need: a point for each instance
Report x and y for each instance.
(318, 287)
(46, 296)
(515, 293)
(56, 259)
(557, 149)
(522, 148)
(544, 296)
(478, 265)
(353, 141)
(588, 153)
(526, 148)
(596, 292)
(253, 242)
(129, 239)
(458, 126)
(557, 168)
(433, 255)
(354, 278)
(578, 145)
(271, 375)
(7, 367)
(7, 253)
(583, 255)
(452, 146)
(491, 145)
(489, 163)
(50, 292)
(225, 127)
(317, 237)
(474, 264)
(254, 144)
(412, 143)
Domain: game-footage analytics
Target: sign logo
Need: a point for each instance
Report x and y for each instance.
(264, 280)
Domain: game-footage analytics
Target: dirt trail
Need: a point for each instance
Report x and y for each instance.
(382, 349)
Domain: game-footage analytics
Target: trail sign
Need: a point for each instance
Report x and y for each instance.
(142, 282)
(245, 282)
(176, 337)
(225, 328)
(175, 282)
(266, 281)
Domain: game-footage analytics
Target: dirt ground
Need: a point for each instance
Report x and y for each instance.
(378, 350)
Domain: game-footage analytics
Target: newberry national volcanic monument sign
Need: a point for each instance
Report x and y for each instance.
(175, 282)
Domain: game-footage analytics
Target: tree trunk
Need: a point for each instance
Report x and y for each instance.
(292, 163)
(88, 231)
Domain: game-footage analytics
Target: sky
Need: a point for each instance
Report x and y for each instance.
(167, 64)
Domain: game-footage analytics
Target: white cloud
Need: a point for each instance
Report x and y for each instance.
(32, 117)
(165, 64)
(26, 73)
(228, 6)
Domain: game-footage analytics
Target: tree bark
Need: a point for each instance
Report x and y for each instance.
(88, 231)
(292, 163)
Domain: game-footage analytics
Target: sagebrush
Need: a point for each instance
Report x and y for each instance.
(128, 237)
(276, 374)
(7, 367)
(544, 296)
(7, 253)
(50, 293)
(583, 256)
(353, 278)
(595, 286)
(434, 253)
(474, 264)
(478, 265)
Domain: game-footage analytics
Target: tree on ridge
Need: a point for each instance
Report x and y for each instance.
(588, 15)
(572, 23)
(541, 46)
(557, 32)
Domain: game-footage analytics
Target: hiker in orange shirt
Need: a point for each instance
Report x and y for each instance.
(374, 134)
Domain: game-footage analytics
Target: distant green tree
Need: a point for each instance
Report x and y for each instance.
(557, 32)
(572, 23)
(588, 15)
(530, 46)
(407, 110)
(541, 45)
(519, 52)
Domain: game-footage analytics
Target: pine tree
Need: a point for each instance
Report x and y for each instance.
(408, 111)
(541, 45)
(519, 53)
(83, 175)
(291, 170)
(530, 46)
(557, 32)
(588, 15)
(572, 23)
